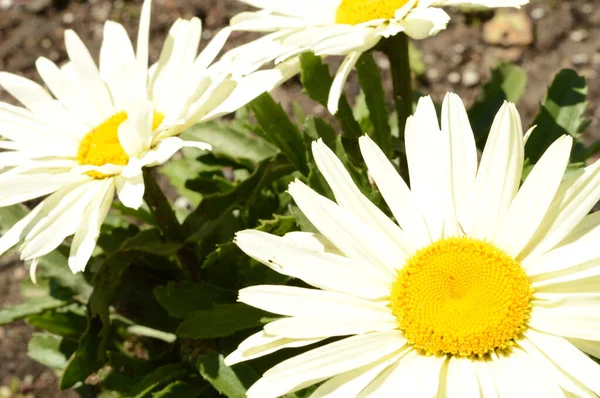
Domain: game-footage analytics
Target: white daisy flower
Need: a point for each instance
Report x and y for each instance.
(484, 287)
(339, 27)
(100, 126)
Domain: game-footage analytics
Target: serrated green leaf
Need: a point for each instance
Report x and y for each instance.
(369, 78)
(182, 298)
(506, 84)
(50, 350)
(223, 378)
(232, 142)
(221, 321)
(63, 323)
(278, 129)
(560, 113)
(150, 241)
(161, 376)
(316, 81)
(214, 208)
(33, 306)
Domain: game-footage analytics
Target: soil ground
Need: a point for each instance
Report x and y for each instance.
(544, 38)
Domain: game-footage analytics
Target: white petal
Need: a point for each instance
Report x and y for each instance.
(131, 191)
(21, 188)
(261, 344)
(566, 211)
(587, 225)
(424, 148)
(301, 9)
(86, 69)
(569, 315)
(589, 347)
(143, 38)
(334, 325)
(499, 173)
(346, 231)
(421, 23)
(212, 49)
(461, 379)
(568, 358)
(337, 86)
(396, 193)
(84, 240)
(135, 133)
(413, 375)
(18, 231)
(296, 301)
(321, 269)
(324, 362)
(348, 196)
(351, 383)
(523, 219)
(463, 156)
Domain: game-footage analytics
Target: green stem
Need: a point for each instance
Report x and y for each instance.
(396, 49)
(167, 222)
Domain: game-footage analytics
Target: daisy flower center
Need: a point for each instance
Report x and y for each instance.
(101, 145)
(353, 12)
(461, 296)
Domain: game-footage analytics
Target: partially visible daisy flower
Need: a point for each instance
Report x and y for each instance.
(483, 287)
(339, 27)
(100, 126)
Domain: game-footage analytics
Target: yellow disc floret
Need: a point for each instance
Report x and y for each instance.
(101, 145)
(353, 12)
(461, 296)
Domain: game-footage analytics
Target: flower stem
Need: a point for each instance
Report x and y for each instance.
(396, 50)
(167, 222)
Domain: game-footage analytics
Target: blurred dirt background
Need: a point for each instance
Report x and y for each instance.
(544, 37)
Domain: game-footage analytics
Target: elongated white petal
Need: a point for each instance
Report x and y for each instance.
(396, 193)
(348, 196)
(415, 375)
(84, 240)
(333, 325)
(323, 270)
(131, 190)
(346, 231)
(566, 211)
(460, 379)
(523, 219)
(301, 9)
(588, 346)
(296, 301)
(212, 49)
(351, 383)
(143, 39)
(463, 157)
(135, 133)
(324, 362)
(424, 22)
(260, 344)
(499, 173)
(339, 80)
(568, 358)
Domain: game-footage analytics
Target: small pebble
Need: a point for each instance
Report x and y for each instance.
(580, 59)
(538, 13)
(456, 59)
(46, 43)
(587, 8)
(459, 48)
(579, 35)
(433, 74)
(596, 58)
(454, 77)
(68, 18)
(470, 78)
(382, 62)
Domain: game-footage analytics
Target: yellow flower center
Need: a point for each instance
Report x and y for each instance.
(101, 145)
(461, 296)
(353, 12)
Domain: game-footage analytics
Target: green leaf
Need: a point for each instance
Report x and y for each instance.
(182, 298)
(223, 378)
(50, 350)
(221, 321)
(369, 78)
(279, 130)
(560, 113)
(506, 84)
(232, 142)
(54, 266)
(63, 323)
(179, 389)
(317, 83)
(163, 375)
(151, 241)
(9, 216)
(33, 306)
(318, 128)
(214, 208)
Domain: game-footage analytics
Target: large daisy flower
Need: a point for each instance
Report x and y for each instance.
(482, 287)
(100, 126)
(339, 27)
